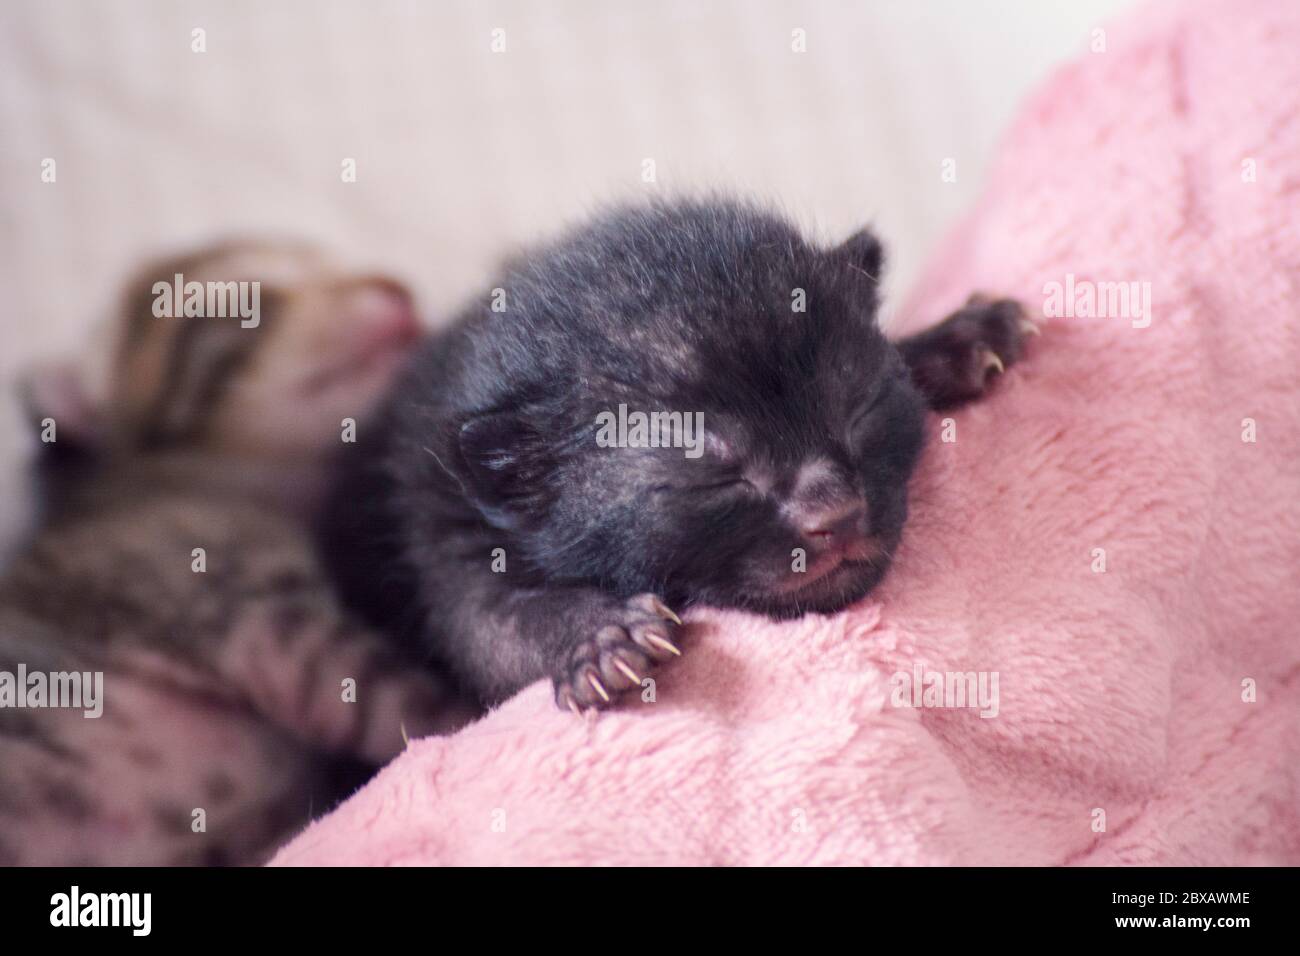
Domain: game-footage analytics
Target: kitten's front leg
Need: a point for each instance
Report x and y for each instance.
(591, 644)
(957, 361)
(334, 684)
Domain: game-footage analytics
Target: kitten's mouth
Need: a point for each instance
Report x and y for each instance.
(848, 583)
(831, 583)
(832, 568)
(835, 573)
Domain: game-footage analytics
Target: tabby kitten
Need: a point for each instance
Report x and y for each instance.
(172, 558)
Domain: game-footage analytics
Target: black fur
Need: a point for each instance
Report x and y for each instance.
(489, 441)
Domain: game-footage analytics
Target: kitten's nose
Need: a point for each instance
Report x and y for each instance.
(842, 528)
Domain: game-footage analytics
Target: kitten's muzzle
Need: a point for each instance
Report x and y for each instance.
(840, 531)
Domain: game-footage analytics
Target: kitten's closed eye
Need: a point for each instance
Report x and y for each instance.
(717, 485)
(733, 484)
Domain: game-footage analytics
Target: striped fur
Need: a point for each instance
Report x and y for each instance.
(223, 688)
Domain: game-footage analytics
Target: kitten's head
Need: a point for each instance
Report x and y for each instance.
(322, 348)
(791, 425)
(264, 352)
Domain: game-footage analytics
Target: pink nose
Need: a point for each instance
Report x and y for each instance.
(837, 529)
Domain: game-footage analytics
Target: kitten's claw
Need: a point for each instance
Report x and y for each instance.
(664, 643)
(991, 361)
(630, 638)
(665, 611)
(632, 675)
(598, 687)
(1029, 328)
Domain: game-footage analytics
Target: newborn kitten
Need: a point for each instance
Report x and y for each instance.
(485, 520)
(222, 670)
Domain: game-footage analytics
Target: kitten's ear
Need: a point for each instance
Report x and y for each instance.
(506, 459)
(57, 394)
(862, 251)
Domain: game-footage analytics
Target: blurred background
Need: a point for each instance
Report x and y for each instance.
(461, 151)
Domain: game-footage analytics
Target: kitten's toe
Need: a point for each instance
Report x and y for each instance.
(619, 656)
(990, 362)
(959, 360)
(599, 670)
(652, 625)
(988, 337)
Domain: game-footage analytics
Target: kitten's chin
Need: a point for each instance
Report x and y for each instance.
(846, 585)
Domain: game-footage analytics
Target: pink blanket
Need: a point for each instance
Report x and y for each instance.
(1115, 535)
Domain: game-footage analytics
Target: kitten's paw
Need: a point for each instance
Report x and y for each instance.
(628, 641)
(984, 339)
(959, 360)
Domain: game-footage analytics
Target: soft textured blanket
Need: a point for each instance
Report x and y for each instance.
(1113, 538)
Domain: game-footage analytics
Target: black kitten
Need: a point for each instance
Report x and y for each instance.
(490, 520)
